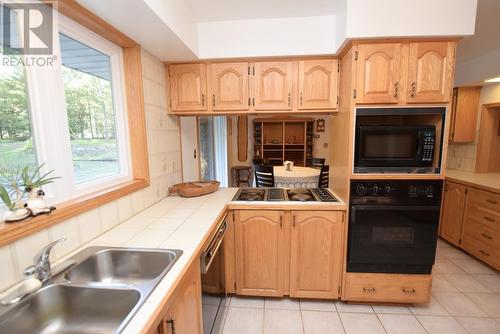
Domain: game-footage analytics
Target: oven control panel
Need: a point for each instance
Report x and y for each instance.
(400, 191)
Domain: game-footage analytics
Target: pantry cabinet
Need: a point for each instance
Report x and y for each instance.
(316, 245)
(378, 73)
(296, 253)
(430, 72)
(261, 252)
(229, 86)
(318, 84)
(452, 212)
(188, 87)
(272, 85)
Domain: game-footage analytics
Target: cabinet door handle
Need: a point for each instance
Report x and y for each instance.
(369, 290)
(301, 99)
(491, 201)
(489, 219)
(289, 99)
(484, 253)
(281, 221)
(213, 100)
(409, 291)
(486, 236)
(413, 85)
(396, 90)
(294, 221)
(171, 323)
(202, 100)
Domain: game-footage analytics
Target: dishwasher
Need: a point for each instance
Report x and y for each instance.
(212, 277)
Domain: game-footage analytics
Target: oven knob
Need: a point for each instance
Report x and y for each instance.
(387, 189)
(375, 189)
(361, 189)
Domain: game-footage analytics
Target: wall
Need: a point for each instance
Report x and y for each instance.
(463, 156)
(164, 164)
(318, 150)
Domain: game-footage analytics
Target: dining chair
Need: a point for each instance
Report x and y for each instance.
(260, 161)
(264, 176)
(315, 162)
(324, 176)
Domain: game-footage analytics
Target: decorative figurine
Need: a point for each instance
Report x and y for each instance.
(36, 204)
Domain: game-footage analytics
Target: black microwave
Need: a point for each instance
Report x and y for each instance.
(394, 148)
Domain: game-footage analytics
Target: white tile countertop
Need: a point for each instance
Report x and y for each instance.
(174, 223)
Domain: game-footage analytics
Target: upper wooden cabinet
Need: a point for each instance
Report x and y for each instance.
(229, 86)
(402, 73)
(465, 110)
(430, 72)
(188, 87)
(378, 73)
(261, 248)
(318, 83)
(272, 85)
(316, 247)
(452, 212)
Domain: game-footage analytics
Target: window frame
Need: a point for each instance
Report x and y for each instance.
(134, 100)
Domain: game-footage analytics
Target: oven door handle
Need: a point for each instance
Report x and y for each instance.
(208, 255)
(384, 207)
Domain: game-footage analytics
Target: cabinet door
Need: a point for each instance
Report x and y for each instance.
(188, 87)
(318, 84)
(229, 86)
(261, 248)
(272, 85)
(465, 106)
(185, 314)
(316, 254)
(378, 73)
(430, 72)
(452, 212)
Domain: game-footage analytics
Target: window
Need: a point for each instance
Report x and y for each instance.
(213, 148)
(73, 113)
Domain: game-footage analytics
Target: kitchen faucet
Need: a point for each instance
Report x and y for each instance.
(42, 267)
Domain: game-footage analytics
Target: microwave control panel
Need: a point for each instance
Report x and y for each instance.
(429, 144)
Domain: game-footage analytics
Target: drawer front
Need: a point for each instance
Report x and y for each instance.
(483, 215)
(485, 198)
(482, 232)
(388, 288)
(481, 250)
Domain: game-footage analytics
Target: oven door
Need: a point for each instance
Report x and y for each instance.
(388, 146)
(392, 239)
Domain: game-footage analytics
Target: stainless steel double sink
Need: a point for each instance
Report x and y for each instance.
(99, 294)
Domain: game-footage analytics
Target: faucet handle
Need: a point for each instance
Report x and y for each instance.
(44, 253)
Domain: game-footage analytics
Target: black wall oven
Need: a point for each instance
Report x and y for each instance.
(393, 226)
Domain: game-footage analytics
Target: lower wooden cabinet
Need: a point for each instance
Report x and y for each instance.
(316, 248)
(387, 288)
(452, 212)
(296, 253)
(183, 312)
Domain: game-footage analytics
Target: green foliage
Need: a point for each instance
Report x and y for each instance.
(4, 195)
(34, 180)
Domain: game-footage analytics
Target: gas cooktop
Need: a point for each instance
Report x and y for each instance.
(281, 194)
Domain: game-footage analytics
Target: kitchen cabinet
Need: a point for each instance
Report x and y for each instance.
(318, 84)
(188, 87)
(452, 212)
(316, 248)
(262, 246)
(183, 312)
(464, 113)
(229, 86)
(430, 72)
(378, 73)
(272, 85)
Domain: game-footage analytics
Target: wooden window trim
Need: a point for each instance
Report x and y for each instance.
(134, 95)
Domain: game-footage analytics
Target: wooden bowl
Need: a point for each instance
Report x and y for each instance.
(194, 189)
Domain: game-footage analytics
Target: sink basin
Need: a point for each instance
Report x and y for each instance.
(71, 309)
(123, 266)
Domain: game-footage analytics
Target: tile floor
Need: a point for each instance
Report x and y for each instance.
(465, 299)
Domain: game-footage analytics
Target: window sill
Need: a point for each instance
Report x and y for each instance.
(10, 232)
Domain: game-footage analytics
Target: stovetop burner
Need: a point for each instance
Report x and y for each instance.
(301, 195)
(281, 194)
(252, 194)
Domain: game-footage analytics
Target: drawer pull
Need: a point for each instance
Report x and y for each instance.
(489, 219)
(369, 290)
(409, 291)
(484, 253)
(492, 201)
(486, 236)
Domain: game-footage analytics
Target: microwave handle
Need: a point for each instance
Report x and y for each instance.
(421, 142)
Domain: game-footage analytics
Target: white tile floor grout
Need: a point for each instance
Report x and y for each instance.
(465, 299)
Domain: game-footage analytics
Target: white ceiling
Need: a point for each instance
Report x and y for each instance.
(487, 35)
(224, 10)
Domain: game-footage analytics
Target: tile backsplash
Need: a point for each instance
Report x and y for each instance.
(462, 156)
(165, 169)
